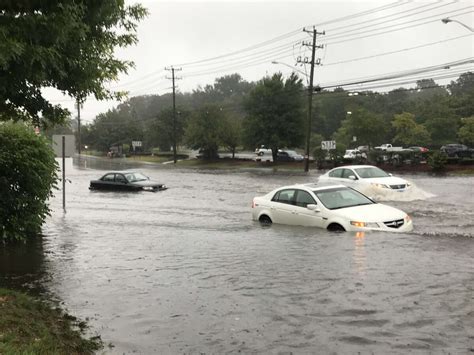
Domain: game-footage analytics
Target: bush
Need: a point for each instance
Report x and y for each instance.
(437, 161)
(27, 176)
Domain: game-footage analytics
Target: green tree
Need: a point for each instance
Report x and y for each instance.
(466, 132)
(27, 176)
(116, 126)
(231, 133)
(408, 132)
(275, 114)
(462, 98)
(368, 127)
(203, 130)
(161, 130)
(65, 44)
(443, 130)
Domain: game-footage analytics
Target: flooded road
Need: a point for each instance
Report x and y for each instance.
(187, 271)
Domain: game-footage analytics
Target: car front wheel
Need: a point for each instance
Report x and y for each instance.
(335, 227)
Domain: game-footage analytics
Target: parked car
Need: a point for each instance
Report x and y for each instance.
(457, 151)
(363, 148)
(366, 179)
(125, 181)
(419, 149)
(289, 155)
(334, 207)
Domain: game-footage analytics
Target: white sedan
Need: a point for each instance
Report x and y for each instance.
(334, 207)
(367, 179)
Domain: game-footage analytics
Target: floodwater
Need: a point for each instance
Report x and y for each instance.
(186, 270)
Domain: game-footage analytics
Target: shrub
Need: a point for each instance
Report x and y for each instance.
(437, 161)
(27, 176)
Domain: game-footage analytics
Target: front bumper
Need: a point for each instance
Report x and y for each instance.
(405, 228)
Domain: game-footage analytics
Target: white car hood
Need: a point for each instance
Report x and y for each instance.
(390, 180)
(370, 213)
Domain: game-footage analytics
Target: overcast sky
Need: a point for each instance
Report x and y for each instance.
(362, 39)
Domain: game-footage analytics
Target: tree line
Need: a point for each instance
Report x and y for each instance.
(234, 113)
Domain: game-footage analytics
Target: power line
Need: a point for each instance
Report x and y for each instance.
(287, 35)
(229, 56)
(396, 51)
(406, 13)
(398, 74)
(360, 14)
(393, 30)
(266, 55)
(365, 88)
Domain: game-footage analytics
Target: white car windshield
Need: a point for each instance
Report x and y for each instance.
(341, 197)
(367, 173)
(133, 177)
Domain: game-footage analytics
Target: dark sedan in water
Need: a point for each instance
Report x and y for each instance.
(125, 181)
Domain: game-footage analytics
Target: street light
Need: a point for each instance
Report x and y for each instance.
(299, 71)
(448, 20)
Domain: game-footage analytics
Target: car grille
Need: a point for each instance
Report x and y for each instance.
(395, 224)
(396, 187)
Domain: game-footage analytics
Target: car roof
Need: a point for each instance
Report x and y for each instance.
(355, 166)
(122, 172)
(312, 186)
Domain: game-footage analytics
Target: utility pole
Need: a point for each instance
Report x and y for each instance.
(310, 91)
(78, 103)
(173, 78)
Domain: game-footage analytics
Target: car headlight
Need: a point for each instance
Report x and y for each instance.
(383, 186)
(364, 224)
(148, 188)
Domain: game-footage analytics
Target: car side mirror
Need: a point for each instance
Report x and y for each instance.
(313, 207)
(352, 177)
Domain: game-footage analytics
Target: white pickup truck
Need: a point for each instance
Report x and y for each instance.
(389, 148)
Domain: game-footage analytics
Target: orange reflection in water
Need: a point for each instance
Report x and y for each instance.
(360, 258)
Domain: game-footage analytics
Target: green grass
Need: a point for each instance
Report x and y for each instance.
(463, 172)
(150, 158)
(237, 164)
(31, 326)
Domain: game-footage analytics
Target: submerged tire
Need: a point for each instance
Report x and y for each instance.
(265, 220)
(335, 227)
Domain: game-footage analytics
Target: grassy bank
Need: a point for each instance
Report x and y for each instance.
(30, 326)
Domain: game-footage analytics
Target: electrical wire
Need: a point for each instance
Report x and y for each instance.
(396, 29)
(262, 53)
(287, 35)
(406, 13)
(400, 73)
(265, 57)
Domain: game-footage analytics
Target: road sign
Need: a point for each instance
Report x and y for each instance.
(328, 145)
(136, 144)
(70, 145)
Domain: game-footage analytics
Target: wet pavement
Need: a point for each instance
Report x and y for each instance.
(187, 271)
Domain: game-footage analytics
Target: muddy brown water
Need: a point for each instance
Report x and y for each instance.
(187, 271)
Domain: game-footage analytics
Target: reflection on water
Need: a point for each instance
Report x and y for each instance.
(359, 253)
(186, 270)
